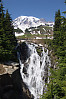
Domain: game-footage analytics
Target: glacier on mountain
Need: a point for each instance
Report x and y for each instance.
(24, 22)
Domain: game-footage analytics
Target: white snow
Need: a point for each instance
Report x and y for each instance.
(24, 22)
(39, 32)
(44, 29)
(19, 34)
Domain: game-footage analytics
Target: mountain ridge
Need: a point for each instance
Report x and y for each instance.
(24, 22)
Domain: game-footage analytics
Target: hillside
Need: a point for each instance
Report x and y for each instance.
(24, 22)
(32, 27)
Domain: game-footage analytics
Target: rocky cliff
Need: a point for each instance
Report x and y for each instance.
(12, 85)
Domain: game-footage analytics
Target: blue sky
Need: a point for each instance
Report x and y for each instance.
(38, 8)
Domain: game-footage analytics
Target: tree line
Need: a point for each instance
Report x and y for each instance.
(56, 88)
(8, 41)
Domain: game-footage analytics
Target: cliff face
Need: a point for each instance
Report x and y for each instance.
(23, 51)
(20, 86)
(12, 86)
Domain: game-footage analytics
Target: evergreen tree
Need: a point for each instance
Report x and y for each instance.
(1, 17)
(56, 89)
(9, 29)
(57, 25)
(57, 28)
(7, 38)
(1, 29)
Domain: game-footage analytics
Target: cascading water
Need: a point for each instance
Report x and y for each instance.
(35, 70)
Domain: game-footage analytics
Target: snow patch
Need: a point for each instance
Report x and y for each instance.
(19, 34)
(24, 22)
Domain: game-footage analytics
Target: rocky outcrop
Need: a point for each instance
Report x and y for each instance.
(6, 86)
(2, 69)
(23, 51)
(20, 86)
(12, 85)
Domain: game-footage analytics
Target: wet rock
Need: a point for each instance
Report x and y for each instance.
(24, 70)
(24, 52)
(13, 87)
(20, 86)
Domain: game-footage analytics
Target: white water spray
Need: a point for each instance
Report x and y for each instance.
(35, 70)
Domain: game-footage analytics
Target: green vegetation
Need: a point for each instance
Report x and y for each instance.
(33, 32)
(30, 36)
(18, 30)
(56, 89)
(39, 50)
(42, 29)
(7, 38)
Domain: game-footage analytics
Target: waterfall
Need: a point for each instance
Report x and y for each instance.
(35, 70)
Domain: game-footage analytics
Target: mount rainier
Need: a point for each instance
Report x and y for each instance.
(24, 22)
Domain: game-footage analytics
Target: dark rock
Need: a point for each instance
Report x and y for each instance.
(24, 70)
(13, 87)
(6, 86)
(24, 52)
(20, 86)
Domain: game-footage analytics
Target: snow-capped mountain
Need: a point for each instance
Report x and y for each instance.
(24, 22)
